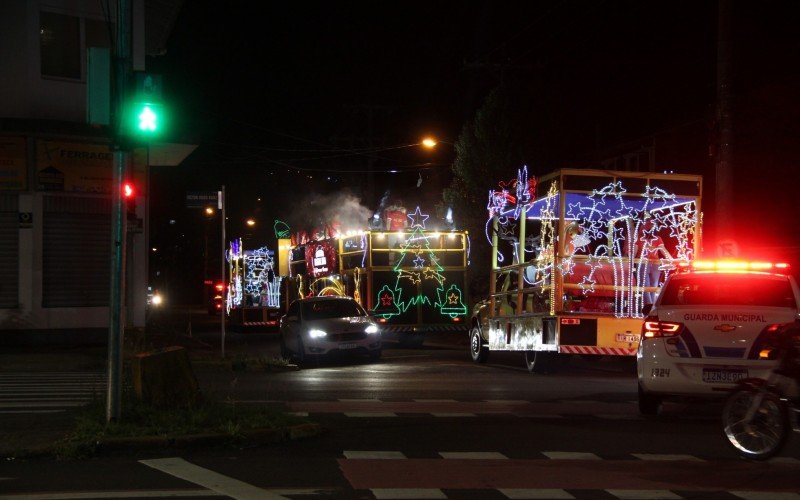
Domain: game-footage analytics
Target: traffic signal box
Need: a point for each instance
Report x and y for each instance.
(144, 114)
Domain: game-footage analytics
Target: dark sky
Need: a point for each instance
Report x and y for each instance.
(279, 94)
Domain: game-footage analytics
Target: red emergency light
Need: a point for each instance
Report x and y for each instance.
(733, 265)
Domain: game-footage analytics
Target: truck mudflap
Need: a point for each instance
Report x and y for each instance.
(608, 336)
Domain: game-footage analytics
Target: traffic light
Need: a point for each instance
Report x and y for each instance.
(144, 114)
(128, 191)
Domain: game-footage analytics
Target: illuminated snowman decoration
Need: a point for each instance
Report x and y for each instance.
(320, 262)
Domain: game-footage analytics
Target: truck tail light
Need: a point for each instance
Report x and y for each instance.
(652, 327)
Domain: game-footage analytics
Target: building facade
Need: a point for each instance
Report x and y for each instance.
(56, 173)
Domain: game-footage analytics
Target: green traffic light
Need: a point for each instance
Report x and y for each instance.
(148, 120)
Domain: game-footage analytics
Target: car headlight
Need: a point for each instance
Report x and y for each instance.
(316, 334)
(371, 329)
(156, 300)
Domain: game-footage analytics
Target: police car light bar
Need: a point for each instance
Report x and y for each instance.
(734, 265)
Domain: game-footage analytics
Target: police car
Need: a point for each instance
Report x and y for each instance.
(712, 325)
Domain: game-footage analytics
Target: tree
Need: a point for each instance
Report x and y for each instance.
(490, 148)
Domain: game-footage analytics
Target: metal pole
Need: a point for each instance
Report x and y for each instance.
(724, 164)
(225, 284)
(118, 220)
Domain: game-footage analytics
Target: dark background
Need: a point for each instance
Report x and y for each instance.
(292, 105)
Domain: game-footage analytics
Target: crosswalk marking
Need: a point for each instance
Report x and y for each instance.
(215, 481)
(49, 392)
(766, 495)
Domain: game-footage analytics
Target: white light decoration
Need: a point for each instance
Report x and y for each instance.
(607, 232)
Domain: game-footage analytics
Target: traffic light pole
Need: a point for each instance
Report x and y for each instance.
(225, 285)
(118, 238)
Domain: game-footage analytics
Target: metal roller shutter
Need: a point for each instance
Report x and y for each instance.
(9, 251)
(76, 251)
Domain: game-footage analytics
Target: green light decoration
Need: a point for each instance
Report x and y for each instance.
(424, 266)
(281, 229)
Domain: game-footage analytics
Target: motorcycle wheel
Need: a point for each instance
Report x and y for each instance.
(766, 433)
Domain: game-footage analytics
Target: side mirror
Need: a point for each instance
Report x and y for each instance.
(647, 308)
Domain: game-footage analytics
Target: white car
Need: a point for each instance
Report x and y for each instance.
(710, 327)
(319, 326)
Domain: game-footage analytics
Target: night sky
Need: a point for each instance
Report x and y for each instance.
(285, 98)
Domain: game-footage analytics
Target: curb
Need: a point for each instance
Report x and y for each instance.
(251, 437)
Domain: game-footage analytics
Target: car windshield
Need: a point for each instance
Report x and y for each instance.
(729, 290)
(324, 309)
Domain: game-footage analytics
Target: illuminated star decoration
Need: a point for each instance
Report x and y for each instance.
(418, 218)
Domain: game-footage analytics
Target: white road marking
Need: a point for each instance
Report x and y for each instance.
(215, 481)
(644, 494)
(362, 414)
(453, 414)
(383, 455)
(406, 493)
(570, 455)
(657, 457)
(473, 455)
(533, 494)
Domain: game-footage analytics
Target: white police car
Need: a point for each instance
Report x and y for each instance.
(711, 326)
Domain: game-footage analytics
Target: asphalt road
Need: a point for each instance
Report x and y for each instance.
(429, 423)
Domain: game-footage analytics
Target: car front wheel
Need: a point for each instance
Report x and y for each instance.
(477, 349)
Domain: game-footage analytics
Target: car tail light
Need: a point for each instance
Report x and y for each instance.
(652, 327)
(219, 287)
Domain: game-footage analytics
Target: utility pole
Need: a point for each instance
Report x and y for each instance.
(122, 64)
(724, 168)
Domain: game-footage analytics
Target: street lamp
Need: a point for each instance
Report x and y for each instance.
(209, 211)
(250, 222)
(429, 142)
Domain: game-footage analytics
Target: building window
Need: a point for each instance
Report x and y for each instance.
(64, 40)
(60, 37)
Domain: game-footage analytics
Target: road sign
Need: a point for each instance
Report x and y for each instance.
(201, 199)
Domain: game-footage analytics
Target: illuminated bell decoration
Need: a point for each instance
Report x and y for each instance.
(386, 305)
(451, 304)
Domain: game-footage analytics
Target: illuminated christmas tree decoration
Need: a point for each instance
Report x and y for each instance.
(418, 263)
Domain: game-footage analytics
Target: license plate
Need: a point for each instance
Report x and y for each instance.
(347, 346)
(715, 375)
(627, 337)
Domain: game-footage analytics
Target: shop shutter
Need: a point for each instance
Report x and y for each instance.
(76, 251)
(9, 251)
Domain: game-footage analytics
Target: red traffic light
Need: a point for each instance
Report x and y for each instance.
(128, 191)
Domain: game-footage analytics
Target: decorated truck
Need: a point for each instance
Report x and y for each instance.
(408, 273)
(576, 257)
(254, 287)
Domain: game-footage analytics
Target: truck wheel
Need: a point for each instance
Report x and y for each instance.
(649, 404)
(477, 349)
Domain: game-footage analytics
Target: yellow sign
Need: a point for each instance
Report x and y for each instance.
(73, 167)
(13, 166)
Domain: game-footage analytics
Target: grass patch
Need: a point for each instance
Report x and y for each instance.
(142, 420)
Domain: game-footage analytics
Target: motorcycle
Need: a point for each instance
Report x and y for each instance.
(760, 414)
